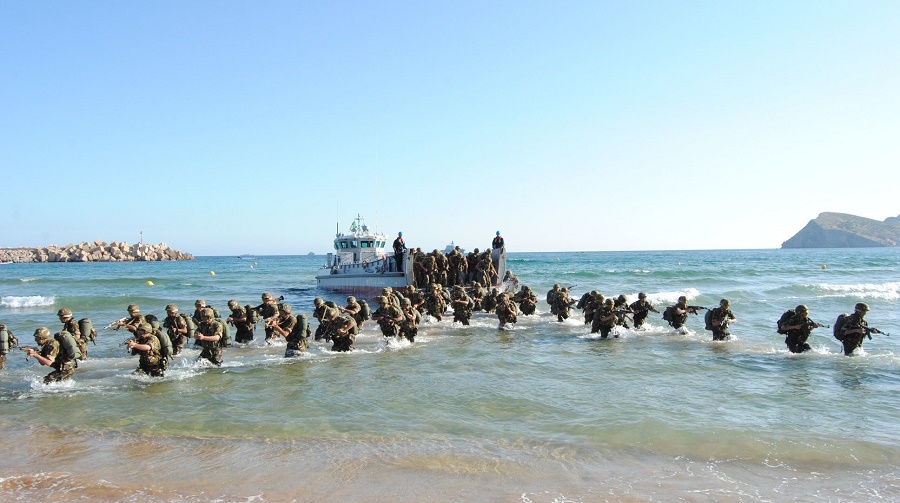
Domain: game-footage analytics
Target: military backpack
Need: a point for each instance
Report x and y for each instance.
(364, 310)
(707, 318)
(68, 345)
(838, 326)
(790, 313)
(668, 314)
(7, 340)
(252, 314)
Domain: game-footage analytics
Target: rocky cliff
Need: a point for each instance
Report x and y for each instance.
(840, 230)
(98, 251)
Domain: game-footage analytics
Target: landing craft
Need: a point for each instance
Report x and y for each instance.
(360, 265)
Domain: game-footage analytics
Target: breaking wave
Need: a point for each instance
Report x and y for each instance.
(26, 301)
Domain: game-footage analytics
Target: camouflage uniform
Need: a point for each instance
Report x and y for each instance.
(344, 335)
(296, 341)
(388, 317)
(551, 298)
(209, 327)
(411, 318)
(720, 317)
(641, 309)
(176, 326)
(489, 302)
(506, 310)
(604, 319)
(240, 318)
(678, 313)
(855, 321)
(527, 300)
(462, 305)
(151, 362)
(796, 338)
(285, 322)
(71, 326)
(64, 367)
(435, 304)
(563, 303)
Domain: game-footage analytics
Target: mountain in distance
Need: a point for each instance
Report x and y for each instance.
(840, 230)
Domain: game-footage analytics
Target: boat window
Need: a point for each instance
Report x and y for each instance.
(343, 244)
(354, 244)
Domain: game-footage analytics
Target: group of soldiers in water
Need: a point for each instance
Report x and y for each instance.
(398, 314)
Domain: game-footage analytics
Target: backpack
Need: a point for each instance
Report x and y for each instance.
(67, 343)
(784, 318)
(165, 344)
(302, 326)
(191, 326)
(707, 318)
(364, 310)
(87, 329)
(225, 341)
(7, 340)
(252, 315)
(153, 321)
(667, 314)
(839, 326)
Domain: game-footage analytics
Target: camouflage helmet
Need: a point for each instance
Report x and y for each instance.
(802, 309)
(724, 303)
(621, 298)
(503, 296)
(64, 312)
(642, 295)
(145, 328)
(609, 301)
(318, 301)
(207, 313)
(862, 306)
(171, 308)
(351, 299)
(405, 302)
(133, 308)
(42, 333)
(476, 250)
(233, 304)
(285, 308)
(594, 293)
(267, 296)
(556, 286)
(682, 299)
(200, 303)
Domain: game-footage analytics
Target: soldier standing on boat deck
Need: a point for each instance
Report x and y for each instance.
(399, 250)
(497, 242)
(71, 326)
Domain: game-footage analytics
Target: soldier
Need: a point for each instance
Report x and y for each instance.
(854, 329)
(797, 327)
(489, 302)
(409, 327)
(200, 305)
(620, 305)
(71, 326)
(719, 318)
(527, 300)
(434, 303)
(297, 340)
(283, 325)
(7, 341)
(326, 316)
(136, 318)
(506, 310)
(51, 355)
(677, 315)
(399, 251)
(176, 326)
(240, 318)
(563, 304)
(551, 298)
(388, 317)
(478, 294)
(151, 361)
(429, 269)
(589, 305)
(641, 308)
(268, 311)
(462, 305)
(604, 319)
(353, 309)
(344, 334)
(209, 335)
(416, 299)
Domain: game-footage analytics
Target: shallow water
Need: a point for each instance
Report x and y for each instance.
(542, 412)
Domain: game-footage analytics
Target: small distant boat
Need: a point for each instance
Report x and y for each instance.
(310, 254)
(449, 248)
(245, 256)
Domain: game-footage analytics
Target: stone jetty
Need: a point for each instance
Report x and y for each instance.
(98, 251)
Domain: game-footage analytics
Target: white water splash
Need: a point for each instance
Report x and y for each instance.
(26, 301)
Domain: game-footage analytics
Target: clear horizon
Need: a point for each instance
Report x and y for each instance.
(226, 127)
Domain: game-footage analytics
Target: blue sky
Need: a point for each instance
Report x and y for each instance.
(255, 127)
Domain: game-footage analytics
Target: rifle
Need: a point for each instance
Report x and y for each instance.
(694, 309)
(873, 330)
(23, 348)
(115, 325)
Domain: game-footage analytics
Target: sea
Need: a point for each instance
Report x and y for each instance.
(542, 412)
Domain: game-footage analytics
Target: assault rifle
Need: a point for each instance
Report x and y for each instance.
(115, 325)
(873, 330)
(24, 348)
(694, 309)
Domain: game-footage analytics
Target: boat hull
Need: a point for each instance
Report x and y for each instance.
(363, 283)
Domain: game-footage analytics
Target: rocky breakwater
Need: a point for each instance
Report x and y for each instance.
(98, 251)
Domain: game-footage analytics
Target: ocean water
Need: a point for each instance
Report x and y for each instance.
(545, 412)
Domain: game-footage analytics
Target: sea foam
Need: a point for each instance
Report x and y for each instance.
(26, 301)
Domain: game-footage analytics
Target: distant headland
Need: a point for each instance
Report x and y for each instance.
(98, 251)
(840, 230)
